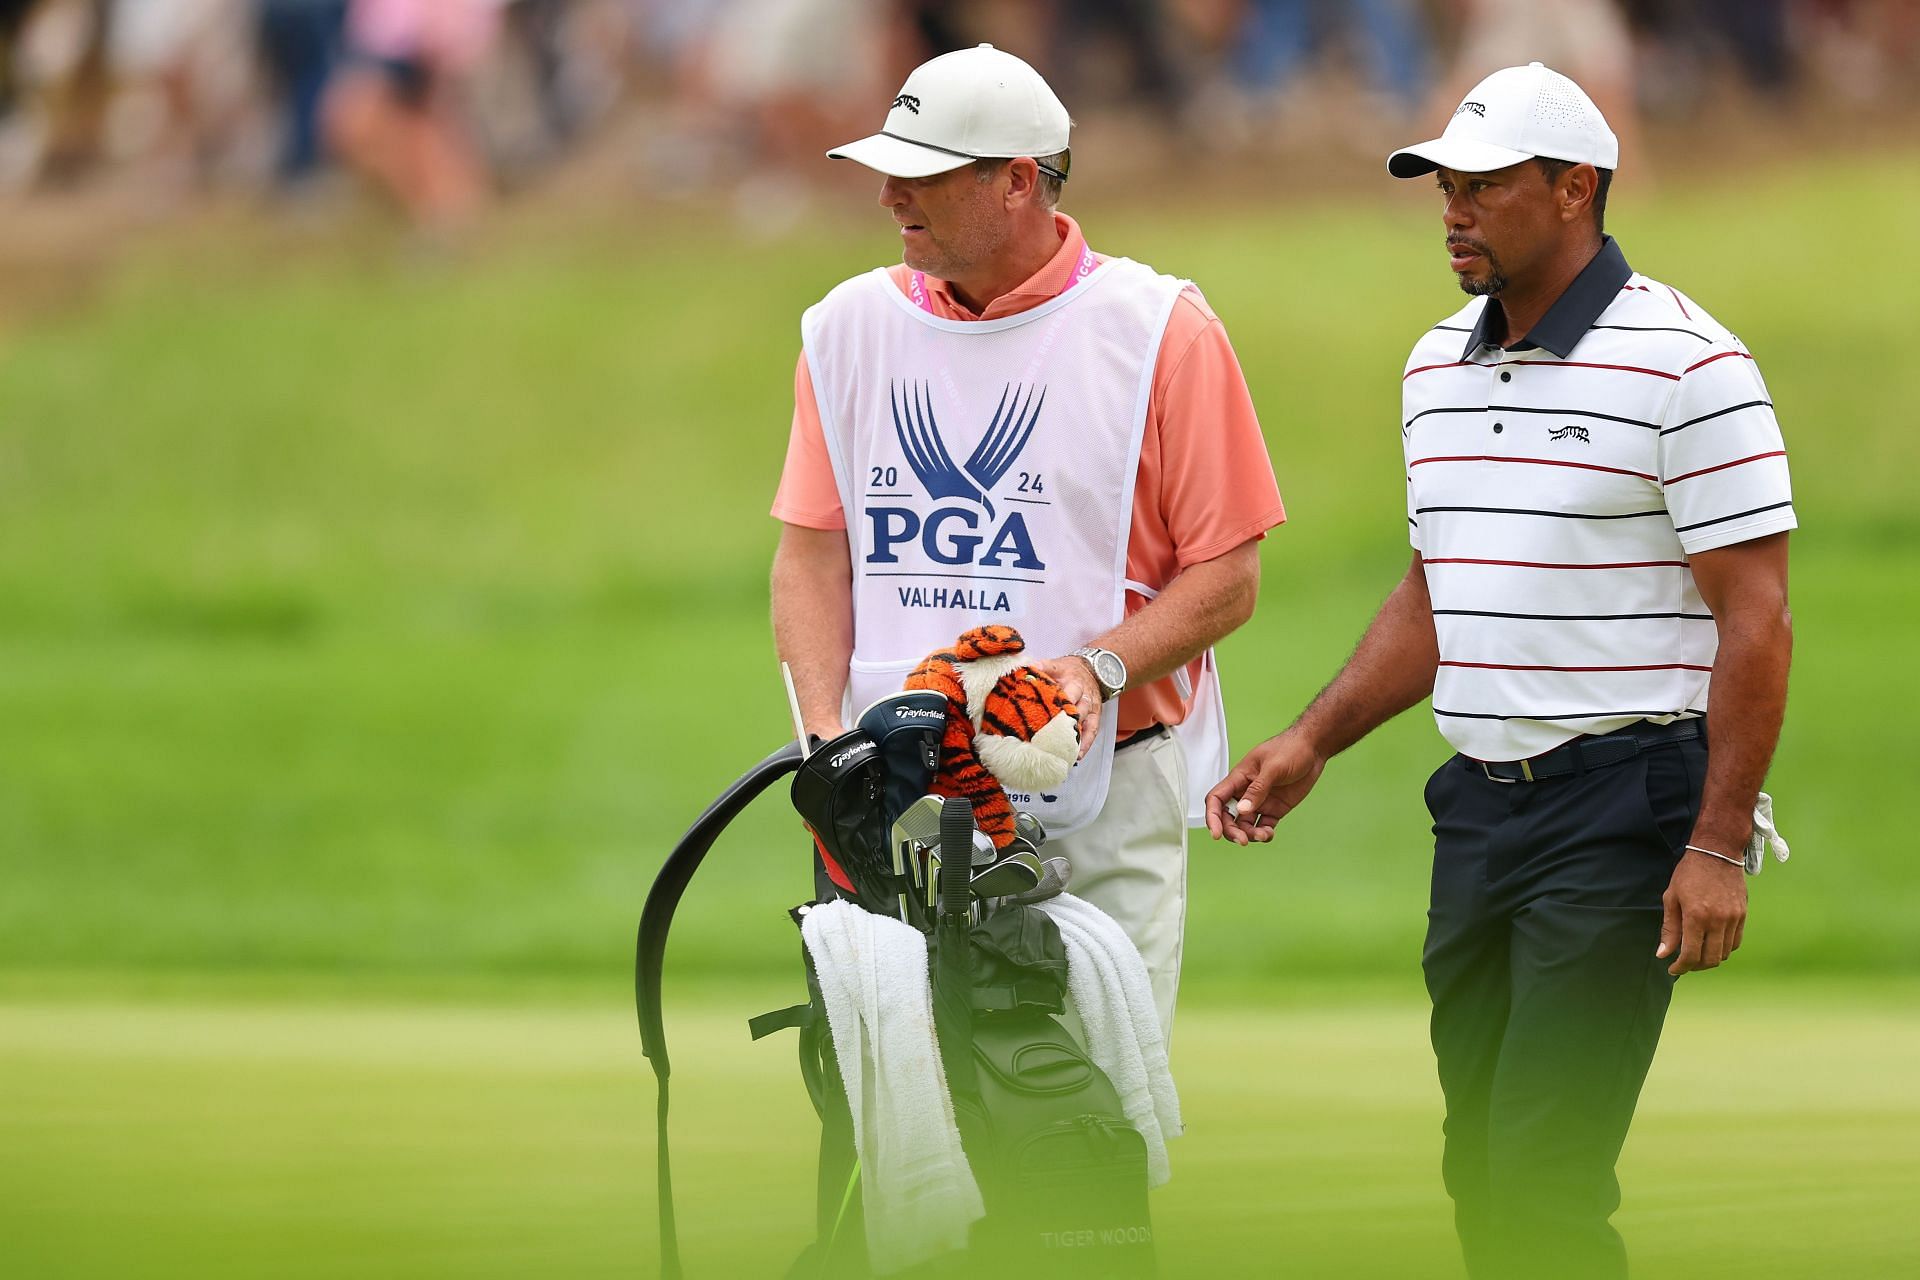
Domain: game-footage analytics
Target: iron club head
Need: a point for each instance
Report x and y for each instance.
(1029, 828)
(1055, 873)
(984, 854)
(919, 821)
(1014, 874)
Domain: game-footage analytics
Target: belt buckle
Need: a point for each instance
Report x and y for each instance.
(1526, 772)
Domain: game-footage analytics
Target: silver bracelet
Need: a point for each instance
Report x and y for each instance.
(1738, 862)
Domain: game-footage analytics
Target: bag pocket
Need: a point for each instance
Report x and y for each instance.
(1081, 1199)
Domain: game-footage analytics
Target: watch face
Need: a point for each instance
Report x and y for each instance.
(1111, 671)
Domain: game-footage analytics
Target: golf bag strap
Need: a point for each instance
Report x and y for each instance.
(663, 1189)
(650, 947)
(797, 1015)
(816, 1041)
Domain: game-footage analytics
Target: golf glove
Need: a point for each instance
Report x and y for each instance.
(1764, 834)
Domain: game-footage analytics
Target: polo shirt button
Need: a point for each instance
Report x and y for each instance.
(1505, 376)
(1498, 428)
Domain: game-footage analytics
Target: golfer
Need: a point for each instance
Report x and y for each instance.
(1598, 502)
(1009, 427)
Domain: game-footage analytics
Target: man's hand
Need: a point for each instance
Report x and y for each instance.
(1263, 788)
(1745, 587)
(1075, 677)
(1706, 912)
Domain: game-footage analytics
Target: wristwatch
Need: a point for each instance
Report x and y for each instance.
(1108, 669)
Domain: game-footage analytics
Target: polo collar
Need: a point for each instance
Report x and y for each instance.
(1572, 313)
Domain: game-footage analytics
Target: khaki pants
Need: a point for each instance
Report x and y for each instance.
(1131, 862)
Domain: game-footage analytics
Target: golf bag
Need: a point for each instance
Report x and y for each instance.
(1062, 1174)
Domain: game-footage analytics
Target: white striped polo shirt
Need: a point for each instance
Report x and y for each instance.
(1555, 490)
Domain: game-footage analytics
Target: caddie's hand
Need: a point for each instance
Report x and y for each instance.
(1263, 788)
(1705, 913)
(1075, 677)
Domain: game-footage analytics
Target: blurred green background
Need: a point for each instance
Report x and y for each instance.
(369, 631)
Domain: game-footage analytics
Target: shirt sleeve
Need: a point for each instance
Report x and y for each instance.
(1217, 488)
(808, 494)
(1723, 464)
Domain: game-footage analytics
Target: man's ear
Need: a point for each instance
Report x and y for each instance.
(1023, 181)
(1576, 190)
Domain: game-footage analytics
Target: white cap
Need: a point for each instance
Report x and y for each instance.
(1515, 114)
(972, 104)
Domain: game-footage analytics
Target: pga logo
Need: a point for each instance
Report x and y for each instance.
(953, 534)
(948, 536)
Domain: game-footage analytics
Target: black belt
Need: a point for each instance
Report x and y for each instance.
(1595, 752)
(1147, 734)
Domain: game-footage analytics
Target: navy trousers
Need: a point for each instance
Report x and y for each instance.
(1547, 997)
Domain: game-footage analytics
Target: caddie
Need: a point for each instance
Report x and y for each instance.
(1009, 426)
(1598, 501)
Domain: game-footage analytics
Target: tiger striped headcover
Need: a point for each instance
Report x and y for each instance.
(1008, 725)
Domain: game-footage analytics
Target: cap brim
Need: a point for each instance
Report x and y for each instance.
(897, 157)
(1458, 154)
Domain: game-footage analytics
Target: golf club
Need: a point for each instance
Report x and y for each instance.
(984, 855)
(1019, 844)
(1029, 828)
(1054, 877)
(907, 728)
(914, 833)
(1017, 873)
(838, 792)
(919, 822)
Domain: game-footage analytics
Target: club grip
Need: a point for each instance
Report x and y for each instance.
(956, 855)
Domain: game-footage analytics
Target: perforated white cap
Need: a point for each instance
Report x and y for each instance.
(1515, 114)
(972, 104)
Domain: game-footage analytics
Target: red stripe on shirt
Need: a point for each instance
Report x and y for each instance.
(1737, 462)
(1541, 564)
(1546, 364)
(1512, 666)
(1583, 364)
(1540, 462)
(1427, 368)
(1710, 359)
(1678, 303)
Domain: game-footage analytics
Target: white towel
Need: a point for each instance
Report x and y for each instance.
(1108, 982)
(918, 1191)
(1764, 834)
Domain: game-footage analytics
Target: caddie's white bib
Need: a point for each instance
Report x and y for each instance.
(987, 469)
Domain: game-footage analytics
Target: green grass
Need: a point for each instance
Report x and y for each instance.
(368, 634)
(290, 1135)
(382, 620)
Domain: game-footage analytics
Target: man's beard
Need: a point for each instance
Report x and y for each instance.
(1496, 278)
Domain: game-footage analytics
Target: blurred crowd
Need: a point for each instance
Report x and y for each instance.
(440, 106)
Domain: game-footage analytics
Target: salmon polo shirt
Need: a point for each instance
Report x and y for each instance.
(1205, 483)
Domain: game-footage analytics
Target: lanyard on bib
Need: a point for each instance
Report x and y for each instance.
(917, 286)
